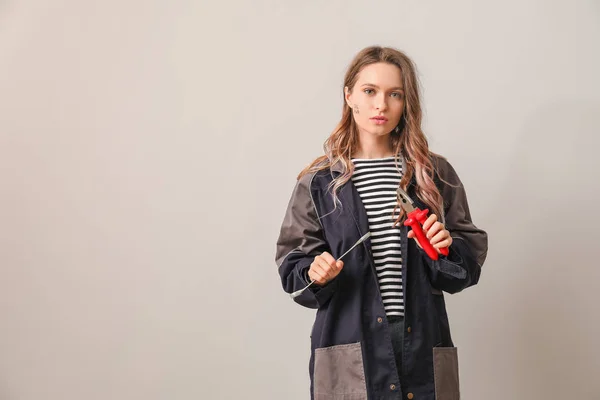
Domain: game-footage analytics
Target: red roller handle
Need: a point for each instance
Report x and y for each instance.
(415, 219)
(422, 217)
(412, 221)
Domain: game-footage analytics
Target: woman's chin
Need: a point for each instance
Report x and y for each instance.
(377, 131)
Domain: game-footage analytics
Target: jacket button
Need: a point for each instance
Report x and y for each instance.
(392, 387)
(379, 319)
(410, 396)
(409, 329)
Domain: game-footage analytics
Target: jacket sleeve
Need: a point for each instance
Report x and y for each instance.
(300, 240)
(462, 267)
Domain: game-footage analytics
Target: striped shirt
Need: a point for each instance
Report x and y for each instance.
(376, 181)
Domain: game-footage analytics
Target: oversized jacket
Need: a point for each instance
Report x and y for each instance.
(351, 350)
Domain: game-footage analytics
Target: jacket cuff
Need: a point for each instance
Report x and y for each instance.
(450, 265)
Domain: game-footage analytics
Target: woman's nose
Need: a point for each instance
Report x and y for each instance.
(381, 105)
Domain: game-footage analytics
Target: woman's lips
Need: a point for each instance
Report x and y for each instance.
(379, 120)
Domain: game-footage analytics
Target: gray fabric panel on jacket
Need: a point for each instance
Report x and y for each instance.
(457, 214)
(301, 229)
(450, 268)
(339, 373)
(445, 373)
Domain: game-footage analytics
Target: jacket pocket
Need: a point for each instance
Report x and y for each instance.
(445, 373)
(339, 373)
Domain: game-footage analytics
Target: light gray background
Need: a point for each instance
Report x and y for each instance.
(148, 150)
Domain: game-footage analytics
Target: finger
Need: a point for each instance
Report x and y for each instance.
(410, 234)
(446, 242)
(435, 228)
(441, 235)
(332, 267)
(313, 276)
(328, 258)
(337, 268)
(319, 280)
(429, 221)
(317, 275)
(443, 243)
(326, 269)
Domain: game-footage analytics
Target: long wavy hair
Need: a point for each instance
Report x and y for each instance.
(407, 140)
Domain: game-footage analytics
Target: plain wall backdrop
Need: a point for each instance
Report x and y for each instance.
(148, 150)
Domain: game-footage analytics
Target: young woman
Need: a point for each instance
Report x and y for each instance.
(381, 330)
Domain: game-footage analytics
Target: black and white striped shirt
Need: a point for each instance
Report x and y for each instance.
(376, 181)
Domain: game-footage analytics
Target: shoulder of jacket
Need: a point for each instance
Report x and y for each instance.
(308, 177)
(443, 167)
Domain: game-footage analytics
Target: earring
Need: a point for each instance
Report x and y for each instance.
(397, 129)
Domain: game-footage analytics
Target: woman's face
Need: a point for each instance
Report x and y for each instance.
(377, 99)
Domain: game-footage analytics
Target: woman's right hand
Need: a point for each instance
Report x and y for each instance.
(324, 268)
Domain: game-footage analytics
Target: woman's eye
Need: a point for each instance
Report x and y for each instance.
(368, 91)
(397, 94)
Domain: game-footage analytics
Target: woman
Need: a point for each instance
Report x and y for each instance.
(381, 330)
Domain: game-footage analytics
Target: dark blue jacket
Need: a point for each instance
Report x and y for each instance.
(351, 350)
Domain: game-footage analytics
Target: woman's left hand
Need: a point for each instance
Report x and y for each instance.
(435, 231)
